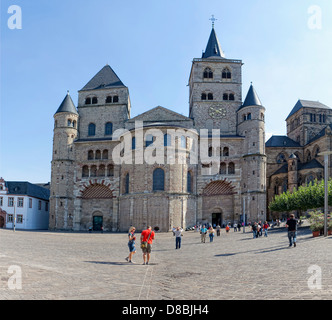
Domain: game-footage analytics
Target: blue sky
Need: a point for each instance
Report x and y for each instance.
(150, 44)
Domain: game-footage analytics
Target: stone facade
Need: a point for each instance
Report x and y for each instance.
(160, 168)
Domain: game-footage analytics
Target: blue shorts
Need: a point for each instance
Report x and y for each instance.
(131, 246)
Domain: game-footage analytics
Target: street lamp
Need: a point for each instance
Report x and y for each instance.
(326, 199)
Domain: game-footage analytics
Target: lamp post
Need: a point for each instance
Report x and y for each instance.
(326, 196)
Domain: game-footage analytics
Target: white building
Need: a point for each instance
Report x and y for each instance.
(24, 203)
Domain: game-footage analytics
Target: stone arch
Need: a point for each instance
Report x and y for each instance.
(97, 191)
(219, 187)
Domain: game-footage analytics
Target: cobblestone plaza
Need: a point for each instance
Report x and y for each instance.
(92, 266)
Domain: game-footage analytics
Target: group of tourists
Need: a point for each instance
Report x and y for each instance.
(148, 235)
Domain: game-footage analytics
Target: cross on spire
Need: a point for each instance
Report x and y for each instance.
(213, 19)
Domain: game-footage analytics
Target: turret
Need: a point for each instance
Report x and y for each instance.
(62, 179)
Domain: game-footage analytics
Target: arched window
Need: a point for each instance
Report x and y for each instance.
(74, 124)
(231, 168)
(158, 180)
(105, 154)
(85, 172)
(231, 97)
(108, 128)
(225, 152)
(167, 140)
(133, 143)
(226, 74)
(225, 97)
(109, 99)
(93, 172)
(90, 155)
(249, 116)
(98, 155)
(126, 186)
(210, 96)
(203, 96)
(281, 158)
(69, 123)
(101, 171)
(208, 74)
(183, 142)
(94, 100)
(92, 129)
(210, 152)
(115, 99)
(110, 170)
(222, 169)
(189, 182)
(88, 101)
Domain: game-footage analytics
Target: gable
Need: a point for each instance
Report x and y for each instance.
(160, 114)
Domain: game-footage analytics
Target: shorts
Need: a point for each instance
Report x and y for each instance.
(131, 246)
(147, 249)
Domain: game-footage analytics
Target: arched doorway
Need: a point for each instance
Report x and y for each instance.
(97, 223)
(216, 219)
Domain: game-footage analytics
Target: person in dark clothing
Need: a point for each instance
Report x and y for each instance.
(292, 230)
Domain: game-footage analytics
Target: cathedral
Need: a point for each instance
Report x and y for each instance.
(161, 168)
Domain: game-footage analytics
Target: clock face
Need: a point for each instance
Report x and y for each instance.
(217, 112)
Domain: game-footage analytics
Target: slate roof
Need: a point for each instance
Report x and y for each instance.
(105, 78)
(27, 189)
(281, 141)
(313, 164)
(307, 104)
(67, 105)
(252, 98)
(213, 48)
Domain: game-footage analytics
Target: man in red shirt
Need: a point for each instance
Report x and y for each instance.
(147, 236)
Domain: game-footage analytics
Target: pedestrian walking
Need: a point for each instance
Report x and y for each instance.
(235, 227)
(227, 228)
(254, 230)
(131, 244)
(211, 234)
(203, 234)
(291, 224)
(265, 228)
(218, 230)
(239, 226)
(147, 237)
(178, 234)
(259, 229)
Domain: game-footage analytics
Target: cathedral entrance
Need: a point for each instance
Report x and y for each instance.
(216, 219)
(97, 223)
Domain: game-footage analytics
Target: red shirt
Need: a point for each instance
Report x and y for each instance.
(145, 235)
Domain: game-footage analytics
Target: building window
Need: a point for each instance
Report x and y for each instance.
(189, 182)
(158, 180)
(281, 158)
(101, 171)
(126, 191)
(93, 171)
(98, 155)
(30, 203)
(231, 97)
(92, 129)
(39, 205)
(20, 202)
(210, 96)
(90, 155)
(222, 169)
(108, 128)
(1, 201)
(88, 101)
(149, 140)
(115, 99)
(46, 206)
(85, 172)
(225, 152)
(110, 170)
(109, 99)
(133, 143)
(10, 218)
(225, 97)
(226, 74)
(19, 218)
(167, 140)
(105, 155)
(183, 142)
(203, 97)
(231, 168)
(208, 74)
(94, 100)
(10, 202)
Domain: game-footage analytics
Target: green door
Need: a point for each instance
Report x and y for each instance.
(97, 223)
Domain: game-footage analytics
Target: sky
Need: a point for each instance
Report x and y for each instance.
(285, 46)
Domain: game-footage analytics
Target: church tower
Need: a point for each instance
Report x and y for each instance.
(251, 126)
(215, 89)
(63, 159)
